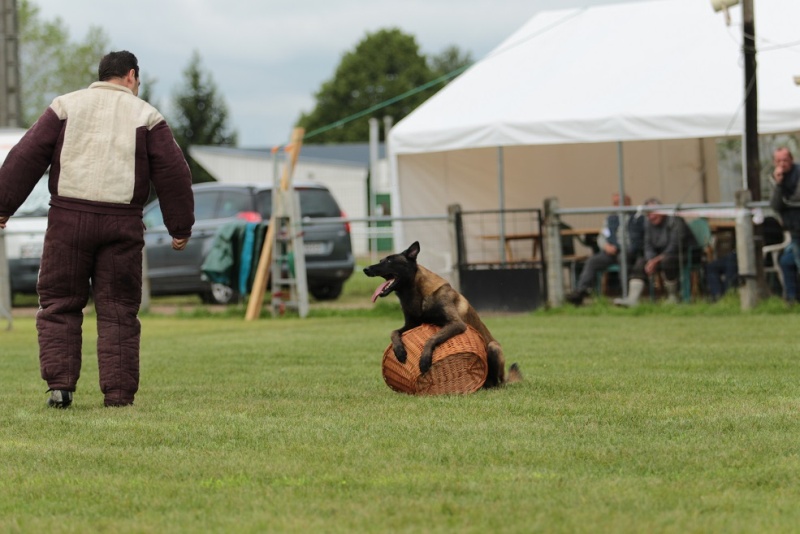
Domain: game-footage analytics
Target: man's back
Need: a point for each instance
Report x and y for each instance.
(98, 156)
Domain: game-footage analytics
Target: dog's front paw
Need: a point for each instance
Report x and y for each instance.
(400, 353)
(425, 362)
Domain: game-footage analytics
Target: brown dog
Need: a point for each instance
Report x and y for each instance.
(426, 297)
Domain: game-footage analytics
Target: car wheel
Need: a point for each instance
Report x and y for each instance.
(326, 292)
(219, 294)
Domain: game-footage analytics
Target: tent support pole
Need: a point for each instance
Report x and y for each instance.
(623, 230)
(502, 203)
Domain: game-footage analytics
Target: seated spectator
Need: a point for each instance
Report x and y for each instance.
(722, 274)
(609, 244)
(664, 238)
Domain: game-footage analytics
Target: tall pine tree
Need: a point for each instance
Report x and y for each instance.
(201, 115)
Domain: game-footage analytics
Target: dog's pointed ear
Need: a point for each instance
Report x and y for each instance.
(412, 251)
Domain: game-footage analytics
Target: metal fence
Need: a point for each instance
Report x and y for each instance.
(501, 261)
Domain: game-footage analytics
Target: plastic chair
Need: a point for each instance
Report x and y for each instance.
(771, 251)
(601, 282)
(692, 267)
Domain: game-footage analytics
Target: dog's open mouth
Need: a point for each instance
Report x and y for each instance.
(384, 289)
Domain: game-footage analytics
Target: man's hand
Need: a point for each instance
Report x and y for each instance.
(610, 249)
(179, 243)
(3, 221)
(778, 175)
(651, 265)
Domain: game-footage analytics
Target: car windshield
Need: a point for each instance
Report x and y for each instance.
(38, 202)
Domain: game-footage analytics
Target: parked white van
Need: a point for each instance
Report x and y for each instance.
(24, 233)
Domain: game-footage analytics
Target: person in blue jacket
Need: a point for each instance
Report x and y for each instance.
(610, 248)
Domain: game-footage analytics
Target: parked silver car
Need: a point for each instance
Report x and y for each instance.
(24, 238)
(329, 256)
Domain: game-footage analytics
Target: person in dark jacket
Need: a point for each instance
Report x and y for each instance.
(105, 147)
(785, 197)
(665, 237)
(722, 274)
(610, 247)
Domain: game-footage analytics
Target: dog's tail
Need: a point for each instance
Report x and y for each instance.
(514, 374)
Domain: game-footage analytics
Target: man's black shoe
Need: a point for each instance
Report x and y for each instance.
(59, 398)
(576, 297)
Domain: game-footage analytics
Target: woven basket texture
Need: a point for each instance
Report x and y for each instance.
(459, 364)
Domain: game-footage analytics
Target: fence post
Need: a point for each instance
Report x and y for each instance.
(745, 251)
(553, 256)
(145, 304)
(5, 282)
(456, 243)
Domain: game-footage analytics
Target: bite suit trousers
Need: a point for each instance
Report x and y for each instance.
(99, 253)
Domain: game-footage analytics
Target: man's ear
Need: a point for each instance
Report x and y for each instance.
(130, 79)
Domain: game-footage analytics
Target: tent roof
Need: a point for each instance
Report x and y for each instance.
(659, 69)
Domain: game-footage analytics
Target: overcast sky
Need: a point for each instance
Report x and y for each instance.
(269, 57)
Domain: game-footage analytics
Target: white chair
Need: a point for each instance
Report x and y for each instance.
(773, 252)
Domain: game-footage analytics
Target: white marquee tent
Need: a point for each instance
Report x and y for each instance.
(547, 112)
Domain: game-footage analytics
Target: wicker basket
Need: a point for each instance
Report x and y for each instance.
(459, 364)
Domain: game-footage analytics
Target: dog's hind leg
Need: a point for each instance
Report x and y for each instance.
(497, 365)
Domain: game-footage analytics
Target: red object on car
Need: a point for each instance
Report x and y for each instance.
(249, 216)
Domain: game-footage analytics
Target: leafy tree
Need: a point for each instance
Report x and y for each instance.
(384, 65)
(450, 62)
(201, 117)
(50, 63)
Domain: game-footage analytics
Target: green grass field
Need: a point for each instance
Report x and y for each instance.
(659, 419)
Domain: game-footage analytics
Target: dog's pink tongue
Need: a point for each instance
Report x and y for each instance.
(379, 290)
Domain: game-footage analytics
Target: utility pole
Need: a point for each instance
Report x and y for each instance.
(750, 141)
(751, 166)
(10, 104)
(750, 145)
(10, 116)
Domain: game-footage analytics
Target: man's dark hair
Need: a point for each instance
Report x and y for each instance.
(117, 65)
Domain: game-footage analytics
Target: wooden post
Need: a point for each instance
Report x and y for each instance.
(10, 104)
(752, 160)
(745, 251)
(553, 253)
(265, 261)
(750, 141)
(456, 243)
